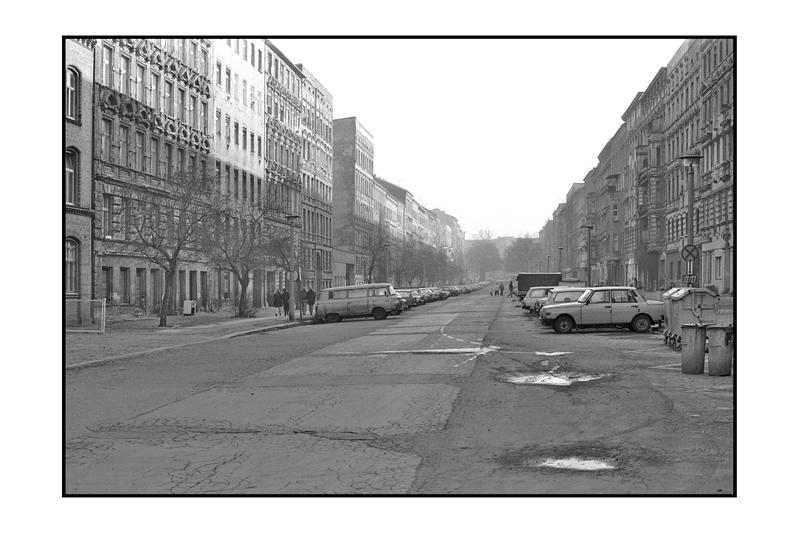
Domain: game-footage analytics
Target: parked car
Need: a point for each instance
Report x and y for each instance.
(604, 307)
(410, 299)
(557, 295)
(374, 299)
(533, 294)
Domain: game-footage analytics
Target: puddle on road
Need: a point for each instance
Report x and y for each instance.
(552, 378)
(574, 463)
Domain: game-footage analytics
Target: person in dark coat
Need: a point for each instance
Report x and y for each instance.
(310, 296)
(277, 302)
(285, 298)
(302, 301)
(510, 289)
(501, 288)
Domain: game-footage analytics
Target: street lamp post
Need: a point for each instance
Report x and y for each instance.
(689, 160)
(560, 256)
(292, 267)
(386, 245)
(590, 228)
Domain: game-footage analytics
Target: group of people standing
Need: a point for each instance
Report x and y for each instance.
(282, 300)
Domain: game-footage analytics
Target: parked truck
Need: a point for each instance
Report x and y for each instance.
(525, 280)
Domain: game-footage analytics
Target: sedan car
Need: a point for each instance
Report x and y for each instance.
(558, 295)
(604, 307)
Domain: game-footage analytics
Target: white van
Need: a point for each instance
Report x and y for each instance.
(373, 299)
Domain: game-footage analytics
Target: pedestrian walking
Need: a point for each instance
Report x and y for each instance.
(285, 298)
(277, 301)
(501, 289)
(510, 289)
(310, 296)
(303, 296)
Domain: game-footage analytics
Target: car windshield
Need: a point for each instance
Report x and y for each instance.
(537, 293)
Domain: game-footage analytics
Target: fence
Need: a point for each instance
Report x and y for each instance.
(84, 316)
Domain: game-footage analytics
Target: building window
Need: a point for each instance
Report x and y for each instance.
(108, 66)
(227, 81)
(204, 116)
(169, 159)
(218, 122)
(155, 91)
(140, 151)
(124, 146)
(106, 222)
(193, 110)
(252, 143)
(204, 62)
(125, 75)
(235, 184)
(71, 262)
(244, 138)
(169, 90)
(105, 139)
(259, 146)
(219, 73)
(236, 133)
(182, 104)
(718, 267)
(71, 93)
(71, 177)
(140, 93)
(154, 155)
(260, 61)
(181, 160)
(125, 284)
(108, 284)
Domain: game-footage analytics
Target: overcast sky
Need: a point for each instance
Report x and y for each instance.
(492, 131)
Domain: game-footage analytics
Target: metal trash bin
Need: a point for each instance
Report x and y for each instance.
(720, 349)
(693, 349)
(189, 307)
(684, 305)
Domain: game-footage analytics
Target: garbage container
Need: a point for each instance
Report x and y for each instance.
(720, 349)
(687, 305)
(189, 307)
(693, 348)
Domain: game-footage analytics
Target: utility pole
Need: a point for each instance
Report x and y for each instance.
(560, 255)
(590, 228)
(688, 161)
(292, 267)
(387, 245)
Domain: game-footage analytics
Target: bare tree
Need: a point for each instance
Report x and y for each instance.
(164, 224)
(376, 238)
(522, 253)
(239, 239)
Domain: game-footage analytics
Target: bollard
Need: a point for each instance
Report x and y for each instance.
(693, 348)
(720, 347)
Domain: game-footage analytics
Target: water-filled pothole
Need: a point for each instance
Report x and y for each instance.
(557, 379)
(574, 463)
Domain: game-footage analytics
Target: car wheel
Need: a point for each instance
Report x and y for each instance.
(641, 323)
(378, 313)
(563, 324)
(332, 317)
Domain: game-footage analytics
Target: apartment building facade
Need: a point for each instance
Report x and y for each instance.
(152, 101)
(316, 127)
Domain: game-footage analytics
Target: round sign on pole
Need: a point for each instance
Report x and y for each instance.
(690, 252)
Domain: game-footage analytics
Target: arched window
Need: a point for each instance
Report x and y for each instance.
(71, 93)
(71, 176)
(71, 259)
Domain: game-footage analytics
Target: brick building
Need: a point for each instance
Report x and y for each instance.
(78, 213)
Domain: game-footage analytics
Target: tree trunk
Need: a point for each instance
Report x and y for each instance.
(168, 299)
(244, 282)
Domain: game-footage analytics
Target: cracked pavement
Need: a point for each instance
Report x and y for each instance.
(412, 404)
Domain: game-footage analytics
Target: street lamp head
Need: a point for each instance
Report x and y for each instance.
(690, 159)
(589, 227)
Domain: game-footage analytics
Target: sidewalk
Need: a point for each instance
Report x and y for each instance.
(139, 336)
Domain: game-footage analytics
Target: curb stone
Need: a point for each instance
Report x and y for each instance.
(264, 329)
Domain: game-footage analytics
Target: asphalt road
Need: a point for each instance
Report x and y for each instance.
(446, 398)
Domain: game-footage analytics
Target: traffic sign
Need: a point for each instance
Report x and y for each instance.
(690, 252)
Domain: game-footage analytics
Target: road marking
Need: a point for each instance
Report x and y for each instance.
(553, 353)
(480, 351)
